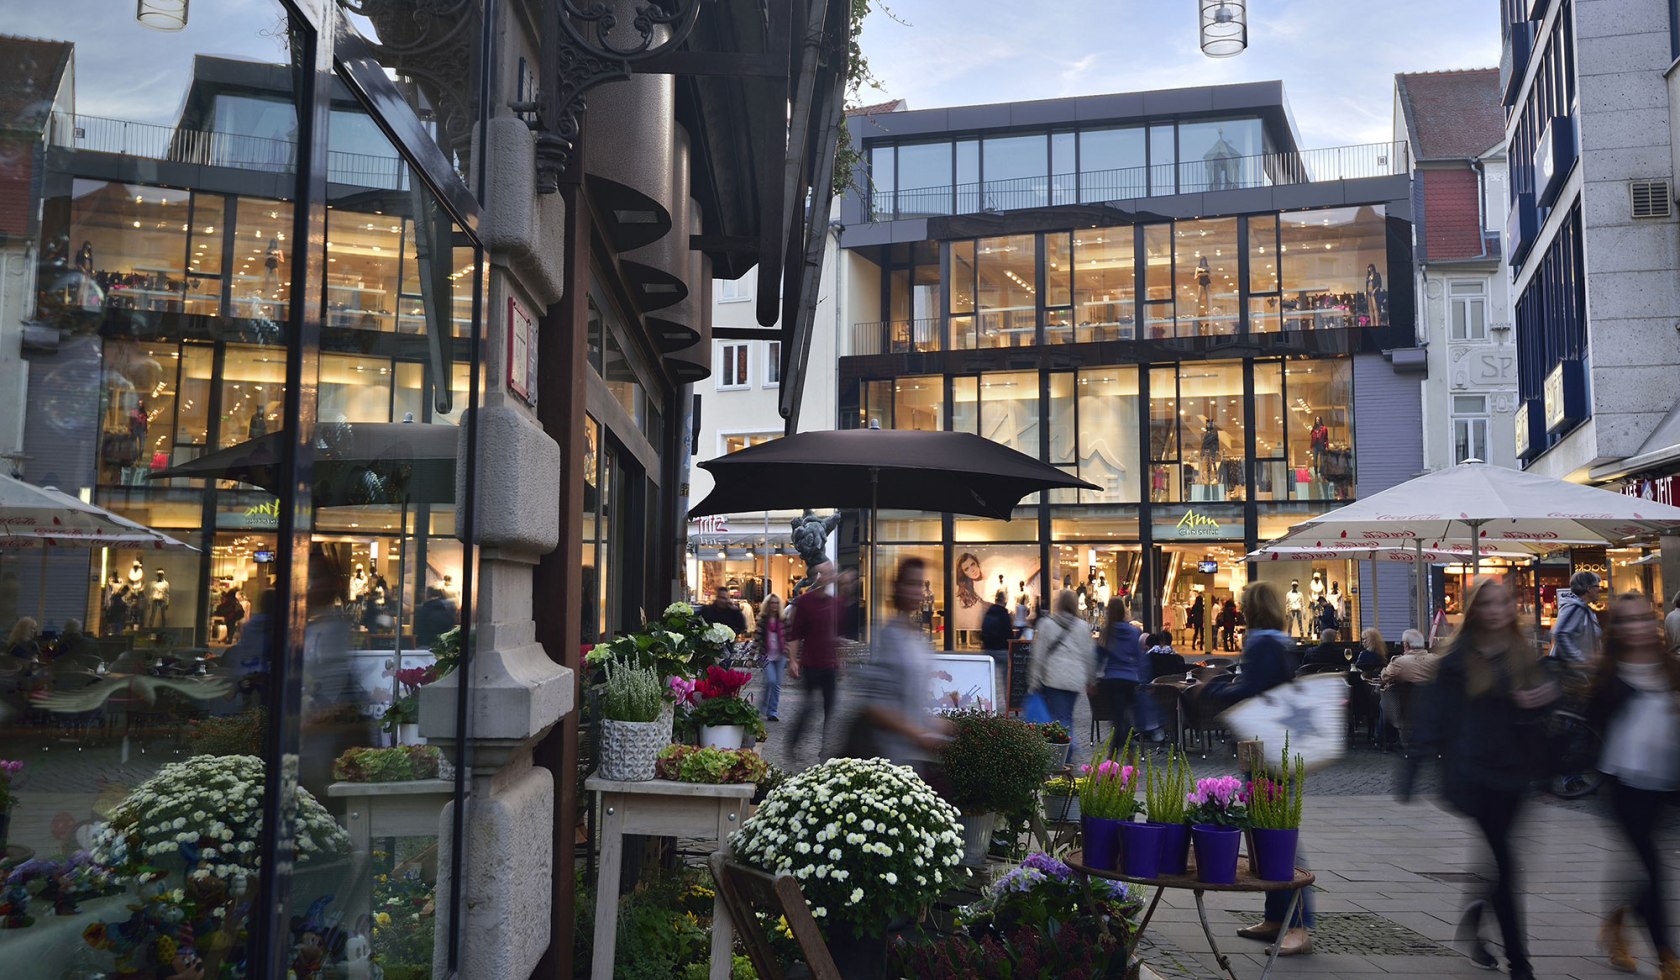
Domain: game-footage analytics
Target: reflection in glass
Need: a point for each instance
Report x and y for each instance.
(1221, 155)
(1320, 427)
(1112, 164)
(1016, 169)
(924, 179)
(1009, 410)
(979, 572)
(965, 404)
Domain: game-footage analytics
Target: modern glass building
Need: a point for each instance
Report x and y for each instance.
(1160, 292)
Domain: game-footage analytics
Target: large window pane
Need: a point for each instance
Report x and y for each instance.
(962, 277)
(1009, 410)
(1007, 287)
(363, 251)
(1105, 285)
(919, 403)
(1221, 155)
(1164, 474)
(1335, 263)
(1205, 271)
(883, 181)
(1163, 154)
(1016, 169)
(1212, 430)
(968, 176)
(924, 179)
(980, 572)
(1320, 425)
(1108, 435)
(1064, 169)
(1112, 164)
(1158, 281)
(1271, 481)
(965, 404)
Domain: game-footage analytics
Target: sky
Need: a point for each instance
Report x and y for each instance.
(1337, 58)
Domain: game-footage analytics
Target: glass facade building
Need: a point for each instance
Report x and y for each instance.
(1205, 360)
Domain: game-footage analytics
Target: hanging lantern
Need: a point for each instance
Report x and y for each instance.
(1224, 27)
(162, 15)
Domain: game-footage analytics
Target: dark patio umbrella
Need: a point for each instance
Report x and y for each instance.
(870, 468)
(356, 464)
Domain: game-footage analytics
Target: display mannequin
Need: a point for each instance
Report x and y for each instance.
(1338, 602)
(358, 583)
(137, 575)
(1204, 278)
(1210, 452)
(450, 592)
(84, 259)
(1296, 604)
(271, 267)
(1373, 294)
(158, 607)
(258, 426)
(1317, 584)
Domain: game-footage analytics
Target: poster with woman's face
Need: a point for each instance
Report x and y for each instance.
(979, 571)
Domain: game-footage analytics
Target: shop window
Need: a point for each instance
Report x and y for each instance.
(1272, 475)
(746, 440)
(1157, 263)
(1105, 285)
(1319, 428)
(261, 273)
(965, 404)
(363, 253)
(253, 384)
(1009, 410)
(129, 244)
(1212, 430)
(733, 362)
(1112, 164)
(1263, 275)
(1335, 263)
(1108, 434)
(354, 389)
(979, 572)
(919, 403)
(1058, 269)
(1470, 427)
(1007, 289)
(1061, 414)
(1205, 273)
(1469, 309)
(1165, 477)
(877, 409)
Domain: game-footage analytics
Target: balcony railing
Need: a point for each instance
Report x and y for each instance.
(1190, 177)
(895, 336)
(148, 141)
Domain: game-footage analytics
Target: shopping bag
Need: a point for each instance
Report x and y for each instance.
(1311, 711)
(1034, 710)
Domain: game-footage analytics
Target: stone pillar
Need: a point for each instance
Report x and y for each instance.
(517, 691)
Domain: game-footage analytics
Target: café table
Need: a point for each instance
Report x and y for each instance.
(1246, 882)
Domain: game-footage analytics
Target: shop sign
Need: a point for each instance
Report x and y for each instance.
(264, 516)
(1191, 524)
(1565, 395)
(1523, 427)
(521, 352)
(709, 530)
(1657, 489)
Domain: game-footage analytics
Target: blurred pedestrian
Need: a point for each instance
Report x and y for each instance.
(1228, 626)
(1268, 661)
(1062, 663)
(74, 644)
(435, 617)
(1373, 653)
(996, 630)
(232, 613)
(1575, 632)
(24, 642)
(1671, 625)
(895, 722)
(722, 609)
(1121, 668)
(1482, 715)
(1194, 620)
(814, 654)
(1636, 704)
(772, 647)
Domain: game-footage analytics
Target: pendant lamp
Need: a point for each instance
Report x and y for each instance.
(162, 15)
(1224, 27)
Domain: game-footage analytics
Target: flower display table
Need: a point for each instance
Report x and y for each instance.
(662, 808)
(1246, 882)
(408, 808)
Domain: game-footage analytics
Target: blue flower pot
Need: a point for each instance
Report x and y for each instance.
(1216, 853)
(1140, 849)
(1102, 842)
(1274, 854)
(1175, 848)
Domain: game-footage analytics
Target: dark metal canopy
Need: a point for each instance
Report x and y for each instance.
(956, 472)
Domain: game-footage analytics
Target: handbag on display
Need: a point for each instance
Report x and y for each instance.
(1311, 711)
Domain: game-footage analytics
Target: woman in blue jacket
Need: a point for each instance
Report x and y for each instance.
(1120, 666)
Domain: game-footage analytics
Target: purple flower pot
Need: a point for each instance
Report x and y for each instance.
(1140, 849)
(1102, 842)
(1274, 854)
(1175, 848)
(1216, 853)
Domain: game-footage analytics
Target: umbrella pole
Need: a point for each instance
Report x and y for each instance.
(1534, 575)
(41, 593)
(1422, 576)
(1475, 548)
(1376, 596)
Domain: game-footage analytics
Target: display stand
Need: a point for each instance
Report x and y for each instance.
(662, 808)
(408, 808)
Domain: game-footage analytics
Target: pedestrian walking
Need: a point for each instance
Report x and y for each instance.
(1671, 625)
(1482, 715)
(723, 610)
(1268, 661)
(1194, 619)
(1121, 668)
(894, 722)
(814, 654)
(1062, 663)
(772, 647)
(1575, 633)
(1636, 703)
(1228, 626)
(996, 630)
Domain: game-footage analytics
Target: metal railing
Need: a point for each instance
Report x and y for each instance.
(894, 336)
(1189, 177)
(149, 141)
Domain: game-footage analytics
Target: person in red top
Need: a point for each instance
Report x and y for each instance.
(814, 652)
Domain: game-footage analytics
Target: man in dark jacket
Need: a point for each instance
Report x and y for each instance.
(435, 617)
(723, 609)
(997, 628)
(1326, 652)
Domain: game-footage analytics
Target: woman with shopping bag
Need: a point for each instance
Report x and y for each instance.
(1063, 664)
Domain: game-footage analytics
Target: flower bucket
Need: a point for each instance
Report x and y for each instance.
(1061, 756)
(409, 734)
(977, 837)
(1061, 809)
(1274, 853)
(1101, 841)
(1140, 849)
(1216, 853)
(722, 736)
(1175, 848)
(630, 748)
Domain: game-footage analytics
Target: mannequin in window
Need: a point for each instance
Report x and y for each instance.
(136, 575)
(158, 605)
(1373, 294)
(258, 426)
(1317, 584)
(1210, 451)
(1320, 440)
(84, 259)
(271, 269)
(450, 592)
(1296, 604)
(1204, 278)
(358, 583)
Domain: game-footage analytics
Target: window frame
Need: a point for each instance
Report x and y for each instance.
(1467, 301)
(772, 364)
(1474, 422)
(726, 361)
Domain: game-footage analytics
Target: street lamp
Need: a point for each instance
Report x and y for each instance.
(1224, 27)
(162, 15)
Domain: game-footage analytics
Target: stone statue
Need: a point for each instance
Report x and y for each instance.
(810, 537)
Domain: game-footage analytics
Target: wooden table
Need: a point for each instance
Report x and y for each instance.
(407, 808)
(1246, 882)
(662, 808)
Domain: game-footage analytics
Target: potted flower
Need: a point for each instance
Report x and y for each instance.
(9, 769)
(401, 763)
(994, 765)
(1165, 789)
(698, 764)
(1274, 818)
(1107, 800)
(1217, 814)
(676, 644)
(402, 718)
(633, 728)
(722, 715)
(1060, 799)
(1061, 743)
(870, 844)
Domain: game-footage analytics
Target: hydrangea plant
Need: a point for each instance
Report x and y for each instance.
(677, 644)
(868, 841)
(205, 814)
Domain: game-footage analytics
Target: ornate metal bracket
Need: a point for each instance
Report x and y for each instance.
(592, 47)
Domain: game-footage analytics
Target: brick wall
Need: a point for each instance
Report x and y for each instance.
(1452, 213)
